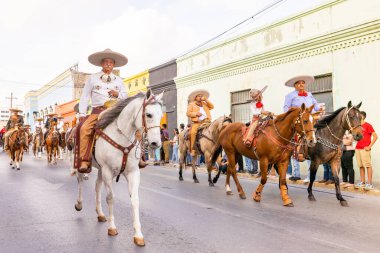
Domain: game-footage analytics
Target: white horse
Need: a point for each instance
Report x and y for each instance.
(141, 113)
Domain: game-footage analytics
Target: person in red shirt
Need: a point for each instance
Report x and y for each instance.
(363, 153)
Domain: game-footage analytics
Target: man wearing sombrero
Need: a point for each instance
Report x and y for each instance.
(99, 88)
(51, 117)
(295, 99)
(198, 111)
(257, 108)
(15, 120)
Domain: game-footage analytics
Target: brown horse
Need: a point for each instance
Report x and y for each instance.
(273, 146)
(17, 146)
(52, 145)
(208, 144)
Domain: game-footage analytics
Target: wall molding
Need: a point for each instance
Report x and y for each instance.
(345, 38)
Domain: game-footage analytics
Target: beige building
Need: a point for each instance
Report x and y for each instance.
(337, 42)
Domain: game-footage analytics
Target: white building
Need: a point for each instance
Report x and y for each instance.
(337, 42)
(4, 116)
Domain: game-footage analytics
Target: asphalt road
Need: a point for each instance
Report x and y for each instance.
(38, 215)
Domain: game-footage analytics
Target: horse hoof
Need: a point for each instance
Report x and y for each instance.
(139, 241)
(211, 184)
(102, 218)
(18, 168)
(242, 195)
(256, 197)
(196, 181)
(112, 232)
(78, 207)
(180, 178)
(289, 204)
(229, 193)
(215, 180)
(343, 203)
(311, 198)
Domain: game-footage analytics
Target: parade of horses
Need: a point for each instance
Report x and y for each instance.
(113, 138)
(119, 144)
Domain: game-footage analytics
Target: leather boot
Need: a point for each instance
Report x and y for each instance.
(142, 163)
(84, 168)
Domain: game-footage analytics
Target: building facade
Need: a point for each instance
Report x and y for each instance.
(137, 83)
(340, 49)
(161, 79)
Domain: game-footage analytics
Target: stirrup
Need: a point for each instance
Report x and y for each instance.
(84, 170)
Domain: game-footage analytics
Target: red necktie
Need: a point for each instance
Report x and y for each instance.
(302, 94)
(259, 105)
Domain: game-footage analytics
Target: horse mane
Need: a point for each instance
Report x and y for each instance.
(322, 123)
(110, 115)
(283, 116)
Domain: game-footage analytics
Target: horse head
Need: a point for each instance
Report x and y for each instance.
(352, 121)
(304, 125)
(146, 113)
(22, 137)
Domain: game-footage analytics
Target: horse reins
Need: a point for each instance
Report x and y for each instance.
(127, 150)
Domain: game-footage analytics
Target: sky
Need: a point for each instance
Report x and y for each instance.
(42, 38)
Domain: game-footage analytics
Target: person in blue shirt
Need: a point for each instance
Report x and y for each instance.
(295, 99)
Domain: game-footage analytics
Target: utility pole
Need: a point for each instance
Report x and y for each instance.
(11, 98)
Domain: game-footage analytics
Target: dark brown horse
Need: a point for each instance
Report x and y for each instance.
(330, 132)
(273, 146)
(208, 144)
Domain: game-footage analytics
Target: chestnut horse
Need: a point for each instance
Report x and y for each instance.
(330, 132)
(274, 145)
(52, 144)
(17, 146)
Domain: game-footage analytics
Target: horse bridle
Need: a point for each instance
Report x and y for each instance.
(348, 120)
(298, 121)
(150, 100)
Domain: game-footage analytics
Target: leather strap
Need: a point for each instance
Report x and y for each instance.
(125, 150)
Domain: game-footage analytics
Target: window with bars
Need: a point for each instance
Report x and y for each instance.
(322, 91)
(240, 109)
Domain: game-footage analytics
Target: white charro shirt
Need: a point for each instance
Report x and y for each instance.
(254, 110)
(97, 90)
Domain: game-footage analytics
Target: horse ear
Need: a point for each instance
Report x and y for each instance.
(303, 106)
(358, 106)
(349, 104)
(310, 109)
(160, 96)
(148, 93)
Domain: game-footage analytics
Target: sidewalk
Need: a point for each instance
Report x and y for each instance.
(274, 178)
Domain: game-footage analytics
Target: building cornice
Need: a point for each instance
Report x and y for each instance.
(261, 29)
(327, 43)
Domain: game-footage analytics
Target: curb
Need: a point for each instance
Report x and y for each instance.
(272, 178)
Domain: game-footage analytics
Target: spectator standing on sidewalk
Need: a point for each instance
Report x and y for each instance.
(327, 174)
(348, 172)
(165, 142)
(175, 143)
(363, 153)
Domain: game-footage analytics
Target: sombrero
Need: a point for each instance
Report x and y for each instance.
(254, 93)
(195, 93)
(96, 58)
(59, 117)
(308, 80)
(52, 114)
(15, 110)
(40, 119)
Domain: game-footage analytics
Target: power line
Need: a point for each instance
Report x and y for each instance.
(240, 23)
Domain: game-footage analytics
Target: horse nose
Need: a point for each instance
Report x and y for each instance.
(153, 144)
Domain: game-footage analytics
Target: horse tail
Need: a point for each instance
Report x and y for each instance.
(216, 154)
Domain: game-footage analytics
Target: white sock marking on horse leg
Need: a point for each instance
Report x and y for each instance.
(228, 189)
(98, 196)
